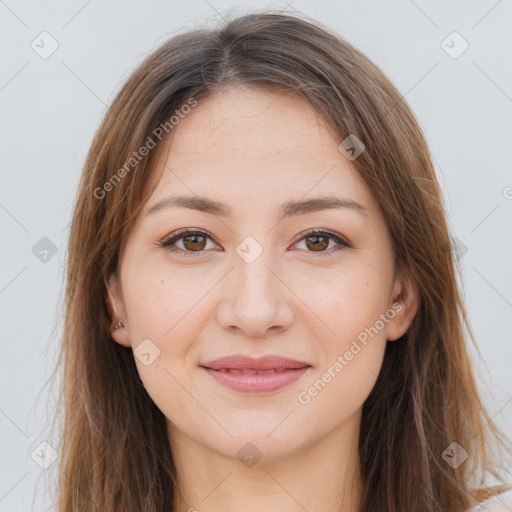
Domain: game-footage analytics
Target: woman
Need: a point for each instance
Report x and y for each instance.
(262, 310)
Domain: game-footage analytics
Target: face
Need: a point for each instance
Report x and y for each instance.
(263, 271)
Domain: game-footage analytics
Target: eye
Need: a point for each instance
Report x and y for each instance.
(195, 241)
(319, 240)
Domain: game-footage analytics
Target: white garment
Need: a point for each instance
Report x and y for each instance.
(498, 503)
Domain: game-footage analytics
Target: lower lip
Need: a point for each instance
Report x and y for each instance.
(257, 382)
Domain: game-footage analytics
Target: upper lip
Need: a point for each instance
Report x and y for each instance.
(242, 362)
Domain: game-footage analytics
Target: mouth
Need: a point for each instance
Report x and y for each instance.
(248, 375)
(250, 372)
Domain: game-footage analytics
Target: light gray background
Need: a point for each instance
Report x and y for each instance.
(51, 107)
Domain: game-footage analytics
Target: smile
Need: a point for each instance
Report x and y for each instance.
(248, 375)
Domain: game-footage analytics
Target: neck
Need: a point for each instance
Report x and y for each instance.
(324, 476)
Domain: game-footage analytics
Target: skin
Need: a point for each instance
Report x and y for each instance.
(254, 149)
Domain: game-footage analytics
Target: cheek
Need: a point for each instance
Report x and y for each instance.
(166, 312)
(347, 303)
(170, 308)
(162, 303)
(352, 349)
(350, 305)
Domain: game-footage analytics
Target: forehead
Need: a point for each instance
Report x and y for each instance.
(259, 146)
(251, 121)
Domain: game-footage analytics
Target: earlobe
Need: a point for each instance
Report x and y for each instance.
(405, 304)
(113, 297)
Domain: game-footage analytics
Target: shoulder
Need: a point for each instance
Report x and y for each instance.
(499, 503)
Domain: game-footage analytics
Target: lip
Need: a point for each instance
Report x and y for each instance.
(238, 372)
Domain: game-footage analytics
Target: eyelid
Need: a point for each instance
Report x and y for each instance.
(171, 239)
(180, 233)
(340, 239)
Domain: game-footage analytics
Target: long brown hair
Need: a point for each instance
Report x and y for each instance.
(115, 454)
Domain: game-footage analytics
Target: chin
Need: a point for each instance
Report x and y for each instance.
(257, 448)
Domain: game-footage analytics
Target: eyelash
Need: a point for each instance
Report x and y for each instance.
(179, 235)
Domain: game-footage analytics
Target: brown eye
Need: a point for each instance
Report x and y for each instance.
(318, 240)
(320, 243)
(194, 242)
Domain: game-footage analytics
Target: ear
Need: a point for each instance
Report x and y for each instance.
(405, 303)
(115, 305)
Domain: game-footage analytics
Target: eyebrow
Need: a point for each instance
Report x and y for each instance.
(288, 209)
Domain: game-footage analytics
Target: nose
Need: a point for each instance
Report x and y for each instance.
(256, 299)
